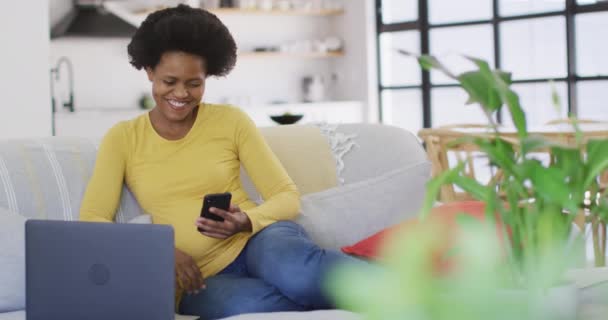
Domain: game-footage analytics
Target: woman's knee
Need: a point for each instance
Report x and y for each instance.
(284, 227)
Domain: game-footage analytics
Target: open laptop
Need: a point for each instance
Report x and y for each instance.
(99, 271)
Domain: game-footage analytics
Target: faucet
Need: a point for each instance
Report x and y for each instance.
(55, 72)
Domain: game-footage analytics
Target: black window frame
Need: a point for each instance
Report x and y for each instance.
(423, 26)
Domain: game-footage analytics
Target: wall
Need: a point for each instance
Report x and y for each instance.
(25, 110)
(104, 79)
(357, 71)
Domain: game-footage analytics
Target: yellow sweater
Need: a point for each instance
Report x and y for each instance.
(170, 178)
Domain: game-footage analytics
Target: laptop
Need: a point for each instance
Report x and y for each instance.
(99, 271)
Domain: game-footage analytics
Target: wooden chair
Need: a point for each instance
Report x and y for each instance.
(444, 141)
(570, 121)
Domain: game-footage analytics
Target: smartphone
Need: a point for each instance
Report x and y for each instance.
(216, 200)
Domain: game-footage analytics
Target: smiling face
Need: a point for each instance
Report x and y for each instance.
(178, 85)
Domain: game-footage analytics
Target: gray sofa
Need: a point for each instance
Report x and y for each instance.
(377, 177)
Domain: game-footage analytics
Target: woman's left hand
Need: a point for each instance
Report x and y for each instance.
(235, 221)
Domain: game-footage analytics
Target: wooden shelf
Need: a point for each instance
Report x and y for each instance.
(135, 15)
(310, 55)
(276, 12)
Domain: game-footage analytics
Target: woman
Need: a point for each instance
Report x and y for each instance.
(254, 261)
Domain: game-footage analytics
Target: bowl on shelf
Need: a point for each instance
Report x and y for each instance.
(286, 118)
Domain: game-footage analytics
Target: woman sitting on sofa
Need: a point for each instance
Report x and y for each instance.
(256, 260)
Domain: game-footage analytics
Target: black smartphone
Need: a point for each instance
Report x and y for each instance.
(216, 200)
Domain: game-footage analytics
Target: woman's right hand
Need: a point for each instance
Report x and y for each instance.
(188, 276)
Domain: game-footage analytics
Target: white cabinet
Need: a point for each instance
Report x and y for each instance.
(95, 123)
(329, 112)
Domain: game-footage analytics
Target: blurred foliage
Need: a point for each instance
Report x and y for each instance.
(536, 202)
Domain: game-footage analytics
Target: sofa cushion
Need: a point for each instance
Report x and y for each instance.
(380, 149)
(46, 178)
(442, 221)
(305, 154)
(15, 315)
(310, 315)
(12, 260)
(346, 214)
(443, 215)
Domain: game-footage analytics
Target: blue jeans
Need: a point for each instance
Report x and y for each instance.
(280, 269)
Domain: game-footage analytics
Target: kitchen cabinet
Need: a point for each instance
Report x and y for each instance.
(91, 123)
(94, 123)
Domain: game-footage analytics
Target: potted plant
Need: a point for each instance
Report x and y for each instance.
(515, 278)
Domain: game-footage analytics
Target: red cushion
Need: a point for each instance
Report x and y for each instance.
(443, 215)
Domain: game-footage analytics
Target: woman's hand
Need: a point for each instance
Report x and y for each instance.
(187, 273)
(235, 221)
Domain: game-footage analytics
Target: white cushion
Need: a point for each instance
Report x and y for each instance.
(16, 315)
(310, 315)
(141, 219)
(20, 315)
(346, 214)
(12, 261)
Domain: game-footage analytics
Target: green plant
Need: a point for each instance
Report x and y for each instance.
(537, 203)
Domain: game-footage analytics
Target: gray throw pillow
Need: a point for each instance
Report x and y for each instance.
(344, 215)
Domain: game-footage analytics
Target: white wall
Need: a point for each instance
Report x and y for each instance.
(104, 78)
(25, 110)
(357, 71)
(262, 80)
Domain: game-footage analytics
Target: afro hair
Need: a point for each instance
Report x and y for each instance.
(185, 29)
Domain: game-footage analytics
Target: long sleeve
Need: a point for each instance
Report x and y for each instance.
(281, 197)
(102, 196)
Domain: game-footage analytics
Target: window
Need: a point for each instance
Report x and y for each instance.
(399, 10)
(537, 40)
(450, 44)
(403, 108)
(449, 11)
(534, 48)
(397, 69)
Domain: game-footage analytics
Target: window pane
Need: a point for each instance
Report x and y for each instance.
(399, 10)
(592, 53)
(397, 69)
(592, 100)
(448, 107)
(536, 101)
(534, 48)
(583, 2)
(449, 44)
(403, 108)
(445, 11)
(519, 7)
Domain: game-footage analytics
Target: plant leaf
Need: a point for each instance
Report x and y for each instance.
(555, 99)
(499, 152)
(517, 114)
(502, 81)
(550, 185)
(472, 186)
(433, 187)
(480, 90)
(428, 62)
(597, 160)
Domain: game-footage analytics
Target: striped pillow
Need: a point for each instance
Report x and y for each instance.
(46, 178)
